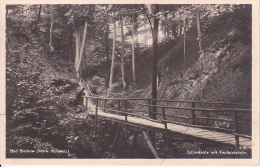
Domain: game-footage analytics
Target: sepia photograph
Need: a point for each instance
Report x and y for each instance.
(129, 81)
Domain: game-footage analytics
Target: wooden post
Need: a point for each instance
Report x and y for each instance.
(150, 145)
(154, 110)
(105, 105)
(96, 114)
(150, 111)
(236, 129)
(151, 133)
(118, 105)
(126, 110)
(193, 115)
(126, 119)
(166, 129)
(84, 101)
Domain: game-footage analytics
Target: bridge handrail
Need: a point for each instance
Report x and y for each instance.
(164, 100)
(174, 122)
(158, 113)
(198, 126)
(228, 103)
(168, 121)
(171, 115)
(242, 135)
(125, 111)
(197, 109)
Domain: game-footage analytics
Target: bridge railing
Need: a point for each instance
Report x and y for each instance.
(165, 117)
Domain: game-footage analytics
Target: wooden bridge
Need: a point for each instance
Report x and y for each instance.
(194, 120)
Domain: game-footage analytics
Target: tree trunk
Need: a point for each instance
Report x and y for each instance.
(82, 47)
(51, 29)
(122, 56)
(136, 38)
(70, 44)
(184, 45)
(166, 28)
(135, 16)
(113, 59)
(77, 34)
(145, 37)
(199, 32)
(133, 50)
(154, 60)
(180, 30)
(107, 45)
(107, 42)
(174, 32)
(149, 6)
(36, 28)
(60, 42)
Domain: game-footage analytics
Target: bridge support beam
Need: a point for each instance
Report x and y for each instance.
(193, 115)
(166, 129)
(96, 114)
(236, 129)
(116, 137)
(150, 145)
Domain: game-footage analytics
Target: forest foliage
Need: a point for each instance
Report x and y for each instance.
(50, 47)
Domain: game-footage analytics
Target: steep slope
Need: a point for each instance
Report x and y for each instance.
(42, 114)
(221, 73)
(41, 108)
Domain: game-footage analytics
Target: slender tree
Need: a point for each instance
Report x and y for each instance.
(70, 44)
(145, 37)
(133, 48)
(51, 29)
(154, 59)
(81, 50)
(80, 46)
(77, 35)
(166, 29)
(36, 26)
(113, 57)
(199, 31)
(122, 55)
(78, 16)
(184, 44)
(107, 43)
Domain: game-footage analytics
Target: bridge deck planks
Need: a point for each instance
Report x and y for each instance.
(219, 137)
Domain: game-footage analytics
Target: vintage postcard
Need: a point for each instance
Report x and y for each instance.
(129, 83)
